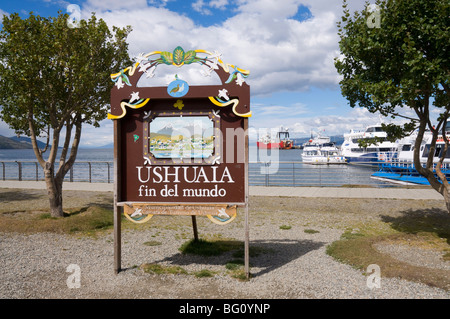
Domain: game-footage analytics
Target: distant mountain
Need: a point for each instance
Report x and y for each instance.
(337, 139)
(110, 145)
(27, 140)
(15, 142)
(7, 143)
(166, 130)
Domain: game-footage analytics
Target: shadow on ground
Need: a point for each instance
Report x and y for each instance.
(19, 195)
(421, 221)
(265, 255)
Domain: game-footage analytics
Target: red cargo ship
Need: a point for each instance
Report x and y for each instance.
(282, 141)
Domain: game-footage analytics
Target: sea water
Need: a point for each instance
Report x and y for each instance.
(266, 168)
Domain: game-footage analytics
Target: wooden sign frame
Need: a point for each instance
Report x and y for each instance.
(187, 173)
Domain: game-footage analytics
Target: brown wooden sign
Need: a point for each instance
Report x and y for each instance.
(181, 143)
(163, 159)
(180, 149)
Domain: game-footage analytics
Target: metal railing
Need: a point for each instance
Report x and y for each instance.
(260, 174)
(92, 172)
(307, 174)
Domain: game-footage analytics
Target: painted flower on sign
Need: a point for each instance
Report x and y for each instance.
(179, 104)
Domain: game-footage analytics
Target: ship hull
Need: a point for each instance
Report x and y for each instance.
(287, 145)
(269, 145)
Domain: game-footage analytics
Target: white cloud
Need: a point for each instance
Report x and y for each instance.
(3, 12)
(219, 4)
(110, 5)
(281, 53)
(201, 6)
(5, 130)
(97, 137)
(280, 111)
(356, 119)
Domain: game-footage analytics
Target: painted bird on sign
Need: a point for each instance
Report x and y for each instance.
(175, 89)
(137, 213)
(222, 213)
(178, 88)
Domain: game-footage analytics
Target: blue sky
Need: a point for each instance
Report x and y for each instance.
(288, 46)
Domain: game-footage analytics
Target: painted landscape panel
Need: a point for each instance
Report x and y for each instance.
(181, 137)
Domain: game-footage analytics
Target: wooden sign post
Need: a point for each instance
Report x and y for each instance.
(180, 149)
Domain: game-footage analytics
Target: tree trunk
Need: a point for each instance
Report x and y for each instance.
(446, 195)
(54, 191)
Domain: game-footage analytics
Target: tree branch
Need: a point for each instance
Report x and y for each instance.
(37, 153)
(439, 172)
(404, 116)
(42, 151)
(427, 173)
(65, 148)
(74, 148)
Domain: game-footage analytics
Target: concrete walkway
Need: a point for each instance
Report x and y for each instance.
(336, 192)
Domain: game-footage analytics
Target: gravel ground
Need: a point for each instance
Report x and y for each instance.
(293, 263)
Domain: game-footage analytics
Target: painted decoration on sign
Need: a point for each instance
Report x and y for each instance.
(210, 61)
(219, 214)
(174, 138)
(137, 216)
(179, 104)
(177, 88)
(222, 218)
(182, 137)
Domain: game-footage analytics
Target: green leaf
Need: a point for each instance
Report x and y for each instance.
(189, 57)
(178, 55)
(125, 79)
(166, 57)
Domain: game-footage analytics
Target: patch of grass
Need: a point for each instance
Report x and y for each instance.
(46, 216)
(204, 273)
(285, 227)
(240, 275)
(311, 231)
(234, 264)
(425, 228)
(160, 269)
(93, 219)
(431, 221)
(358, 251)
(27, 211)
(152, 243)
(236, 269)
(446, 256)
(203, 247)
(351, 235)
(84, 221)
(28, 200)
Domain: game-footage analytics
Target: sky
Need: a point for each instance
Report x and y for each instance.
(289, 46)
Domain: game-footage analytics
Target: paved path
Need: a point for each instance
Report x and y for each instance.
(336, 192)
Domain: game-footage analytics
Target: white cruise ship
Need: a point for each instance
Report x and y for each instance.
(320, 150)
(372, 154)
(401, 170)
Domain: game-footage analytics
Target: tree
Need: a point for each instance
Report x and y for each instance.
(52, 77)
(397, 64)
